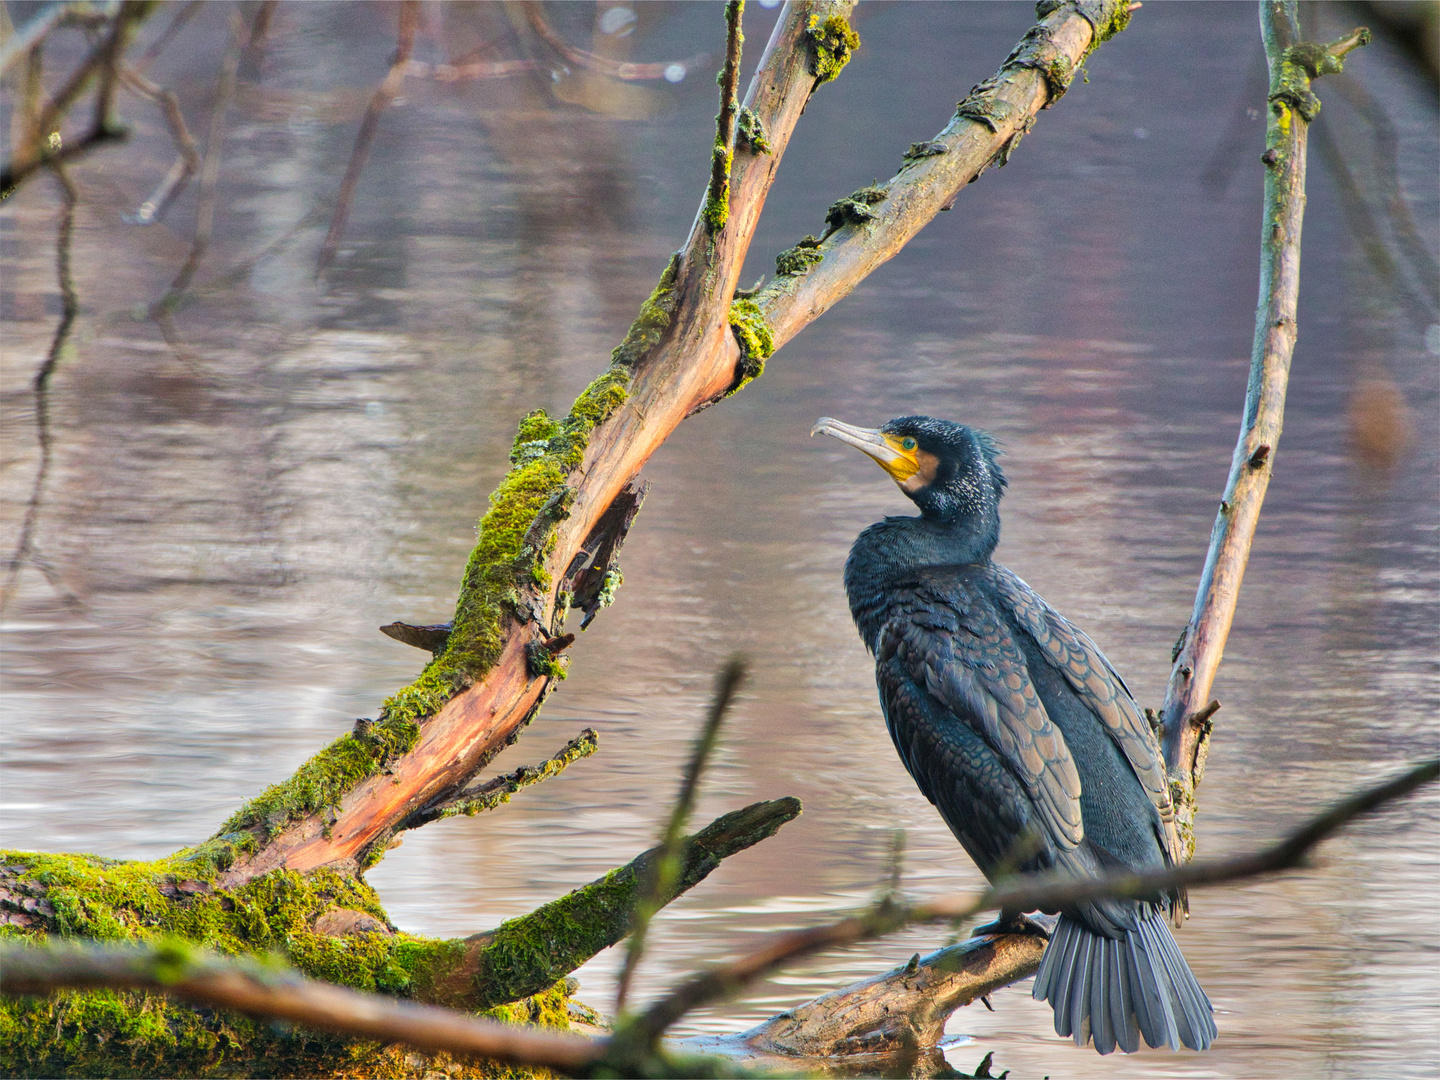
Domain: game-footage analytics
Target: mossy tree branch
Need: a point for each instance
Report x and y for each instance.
(431, 738)
(177, 969)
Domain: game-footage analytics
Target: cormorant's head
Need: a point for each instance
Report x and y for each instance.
(947, 469)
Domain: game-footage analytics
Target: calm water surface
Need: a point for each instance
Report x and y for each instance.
(229, 516)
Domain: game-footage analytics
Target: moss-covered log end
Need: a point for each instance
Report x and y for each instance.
(281, 914)
(103, 1033)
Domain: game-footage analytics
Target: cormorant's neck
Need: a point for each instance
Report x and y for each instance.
(893, 548)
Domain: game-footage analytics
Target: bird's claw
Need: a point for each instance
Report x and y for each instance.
(1014, 922)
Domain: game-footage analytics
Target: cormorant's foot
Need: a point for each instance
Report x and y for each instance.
(1015, 922)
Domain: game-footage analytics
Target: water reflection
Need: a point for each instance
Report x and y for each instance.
(237, 518)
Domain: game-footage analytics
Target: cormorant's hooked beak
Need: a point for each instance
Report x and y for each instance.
(900, 462)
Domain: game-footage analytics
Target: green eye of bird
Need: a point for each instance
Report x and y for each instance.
(908, 443)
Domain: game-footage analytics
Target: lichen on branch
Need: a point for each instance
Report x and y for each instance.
(832, 42)
(752, 332)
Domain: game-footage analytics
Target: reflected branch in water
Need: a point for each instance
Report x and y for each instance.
(187, 160)
(27, 549)
(156, 47)
(603, 65)
(379, 101)
(209, 177)
(1366, 230)
(43, 143)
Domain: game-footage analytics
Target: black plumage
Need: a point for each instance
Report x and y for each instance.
(1016, 727)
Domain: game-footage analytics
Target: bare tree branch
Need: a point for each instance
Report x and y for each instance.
(175, 968)
(1183, 731)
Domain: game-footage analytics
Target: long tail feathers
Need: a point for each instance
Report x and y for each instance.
(1116, 990)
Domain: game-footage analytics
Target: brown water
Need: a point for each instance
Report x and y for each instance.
(230, 520)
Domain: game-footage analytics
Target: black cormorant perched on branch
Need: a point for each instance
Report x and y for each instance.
(1020, 732)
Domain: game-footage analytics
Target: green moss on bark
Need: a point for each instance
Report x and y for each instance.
(832, 42)
(106, 1033)
(513, 539)
(757, 342)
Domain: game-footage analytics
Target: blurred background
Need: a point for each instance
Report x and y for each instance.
(249, 473)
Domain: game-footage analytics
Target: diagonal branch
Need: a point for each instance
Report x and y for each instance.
(497, 791)
(177, 969)
(1024, 894)
(567, 475)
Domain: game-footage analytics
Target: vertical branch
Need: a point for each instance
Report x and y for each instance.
(717, 197)
(1184, 723)
(667, 867)
(379, 101)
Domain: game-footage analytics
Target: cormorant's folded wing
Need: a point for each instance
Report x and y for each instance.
(1097, 684)
(952, 645)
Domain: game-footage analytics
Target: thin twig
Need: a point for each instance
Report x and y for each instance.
(1025, 894)
(1291, 105)
(497, 791)
(26, 549)
(667, 869)
(379, 101)
(717, 197)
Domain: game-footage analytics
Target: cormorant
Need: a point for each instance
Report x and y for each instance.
(1021, 733)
